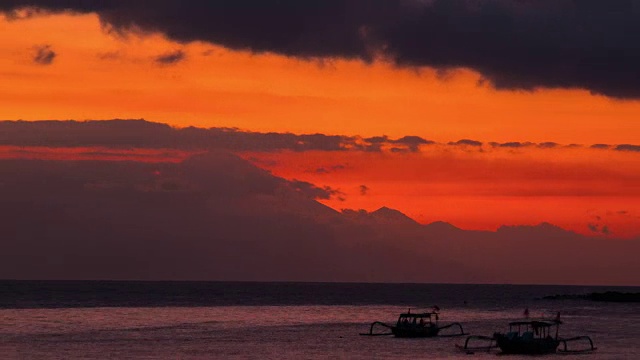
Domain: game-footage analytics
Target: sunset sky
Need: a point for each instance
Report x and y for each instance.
(480, 114)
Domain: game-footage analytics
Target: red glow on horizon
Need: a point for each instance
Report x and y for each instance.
(571, 188)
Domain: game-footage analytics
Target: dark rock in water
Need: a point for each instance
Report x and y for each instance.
(610, 296)
(615, 296)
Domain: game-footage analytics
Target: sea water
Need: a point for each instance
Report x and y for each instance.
(220, 320)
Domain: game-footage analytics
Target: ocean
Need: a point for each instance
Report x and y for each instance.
(237, 320)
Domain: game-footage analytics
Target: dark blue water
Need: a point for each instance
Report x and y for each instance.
(220, 320)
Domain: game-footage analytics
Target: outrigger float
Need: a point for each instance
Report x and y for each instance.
(530, 337)
(413, 325)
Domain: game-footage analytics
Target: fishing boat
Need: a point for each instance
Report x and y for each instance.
(413, 325)
(529, 337)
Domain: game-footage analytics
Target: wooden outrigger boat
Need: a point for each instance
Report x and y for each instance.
(529, 337)
(413, 325)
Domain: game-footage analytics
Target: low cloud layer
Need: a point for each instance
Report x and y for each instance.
(526, 45)
(466, 142)
(144, 134)
(628, 147)
(127, 134)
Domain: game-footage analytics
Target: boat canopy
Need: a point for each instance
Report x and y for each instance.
(418, 315)
(536, 323)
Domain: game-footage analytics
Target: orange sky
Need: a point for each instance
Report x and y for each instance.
(100, 76)
(571, 188)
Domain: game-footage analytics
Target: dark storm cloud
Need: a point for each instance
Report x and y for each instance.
(527, 44)
(171, 57)
(44, 55)
(312, 28)
(586, 44)
(364, 189)
(600, 146)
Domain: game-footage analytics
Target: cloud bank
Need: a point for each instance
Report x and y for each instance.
(526, 45)
(141, 134)
(144, 134)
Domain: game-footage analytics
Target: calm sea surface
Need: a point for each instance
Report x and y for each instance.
(215, 320)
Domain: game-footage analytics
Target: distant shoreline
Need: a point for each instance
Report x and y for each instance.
(608, 296)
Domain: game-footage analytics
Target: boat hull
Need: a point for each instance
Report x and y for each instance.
(528, 346)
(415, 332)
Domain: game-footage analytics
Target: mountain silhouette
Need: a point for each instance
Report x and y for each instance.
(216, 216)
(382, 216)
